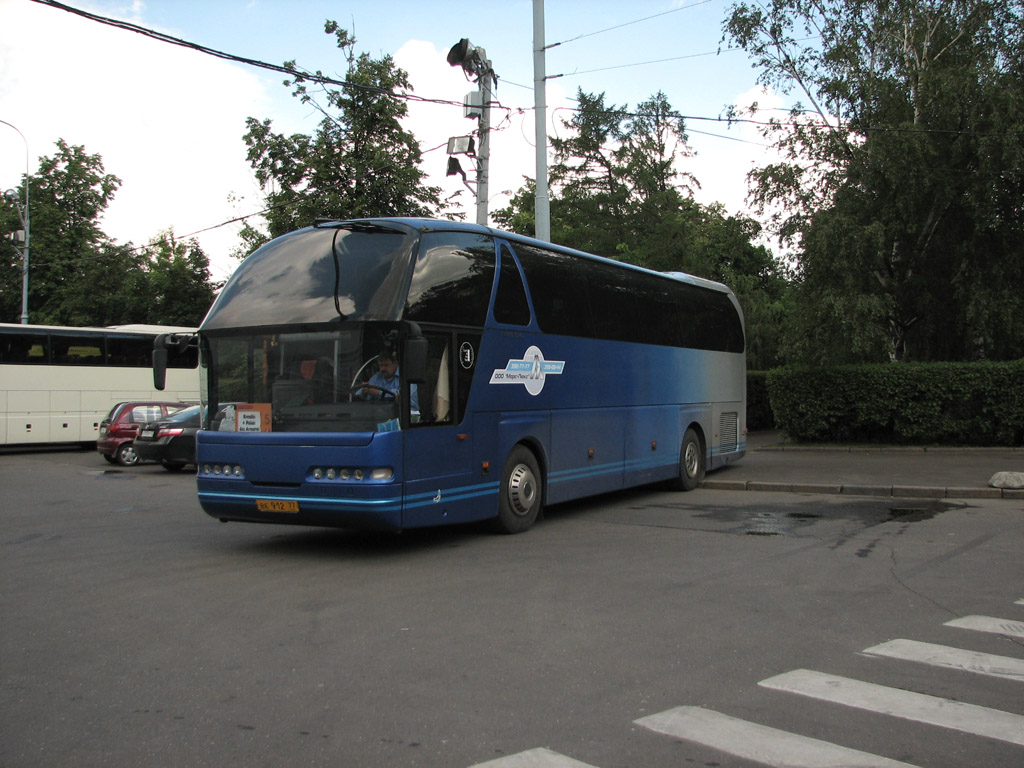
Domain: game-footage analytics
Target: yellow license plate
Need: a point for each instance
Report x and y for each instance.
(274, 505)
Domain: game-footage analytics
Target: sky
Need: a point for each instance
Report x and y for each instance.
(169, 121)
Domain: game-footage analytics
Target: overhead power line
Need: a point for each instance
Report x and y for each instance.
(291, 71)
(629, 23)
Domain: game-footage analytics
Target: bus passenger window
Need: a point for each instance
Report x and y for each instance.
(452, 280)
(510, 304)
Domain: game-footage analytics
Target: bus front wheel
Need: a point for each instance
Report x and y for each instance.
(691, 462)
(521, 494)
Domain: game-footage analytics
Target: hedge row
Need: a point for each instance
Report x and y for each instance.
(759, 408)
(902, 403)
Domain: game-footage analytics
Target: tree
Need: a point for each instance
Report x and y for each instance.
(179, 284)
(78, 275)
(904, 191)
(358, 162)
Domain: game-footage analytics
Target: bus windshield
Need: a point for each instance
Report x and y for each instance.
(332, 272)
(317, 381)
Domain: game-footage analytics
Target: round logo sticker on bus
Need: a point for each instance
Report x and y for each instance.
(467, 355)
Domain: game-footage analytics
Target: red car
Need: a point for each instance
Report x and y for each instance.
(116, 441)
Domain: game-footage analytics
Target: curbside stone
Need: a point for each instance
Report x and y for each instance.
(973, 493)
(867, 490)
(918, 492)
(724, 485)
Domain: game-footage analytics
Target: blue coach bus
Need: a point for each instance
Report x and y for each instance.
(527, 374)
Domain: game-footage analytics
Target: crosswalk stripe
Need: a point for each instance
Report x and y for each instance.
(534, 758)
(951, 658)
(760, 743)
(919, 707)
(989, 624)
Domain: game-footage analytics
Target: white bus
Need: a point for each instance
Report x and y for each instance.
(58, 383)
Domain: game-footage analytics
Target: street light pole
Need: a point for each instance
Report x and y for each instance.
(474, 63)
(542, 213)
(26, 221)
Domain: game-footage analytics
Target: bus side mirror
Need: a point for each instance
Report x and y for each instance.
(414, 360)
(160, 362)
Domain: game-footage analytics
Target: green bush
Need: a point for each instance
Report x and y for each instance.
(904, 403)
(759, 408)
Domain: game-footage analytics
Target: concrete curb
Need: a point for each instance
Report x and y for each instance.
(885, 491)
(899, 449)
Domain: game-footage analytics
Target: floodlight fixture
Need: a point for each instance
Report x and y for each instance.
(464, 54)
(461, 145)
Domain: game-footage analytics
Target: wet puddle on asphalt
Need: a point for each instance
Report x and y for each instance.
(784, 519)
(781, 522)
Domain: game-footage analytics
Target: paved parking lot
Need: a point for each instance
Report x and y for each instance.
(135, 630)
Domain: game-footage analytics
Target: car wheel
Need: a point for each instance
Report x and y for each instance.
(521, 495)
(691, 462)
(173, 466)
(126, 455)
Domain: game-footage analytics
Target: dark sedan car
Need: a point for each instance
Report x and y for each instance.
(171, 441)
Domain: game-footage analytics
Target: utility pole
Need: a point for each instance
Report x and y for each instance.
(25, 217)
(542, 209)
(475, 63)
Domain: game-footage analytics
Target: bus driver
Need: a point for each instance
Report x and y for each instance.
(386, 382)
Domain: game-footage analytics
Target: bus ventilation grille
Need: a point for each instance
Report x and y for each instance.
(728, 429)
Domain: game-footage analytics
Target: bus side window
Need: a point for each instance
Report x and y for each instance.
(452, 279)
(510, 306)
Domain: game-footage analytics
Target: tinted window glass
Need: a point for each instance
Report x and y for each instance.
(510, 304)
(21, 347)
(613, 292)
(132, 351)
(76, 350)
(658, 311)
(557, 290)
(292, 279)
(452, 280)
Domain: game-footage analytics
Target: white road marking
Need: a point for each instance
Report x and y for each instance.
(951, 658)
(768, 746)
(534, 758)
(919, 707)
(989, 624)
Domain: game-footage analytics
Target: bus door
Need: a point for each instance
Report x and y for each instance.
(440, 483)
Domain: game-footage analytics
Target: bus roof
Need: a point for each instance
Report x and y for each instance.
(444, 225)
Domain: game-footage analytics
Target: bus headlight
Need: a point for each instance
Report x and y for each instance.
(222, 470)
(380, 474)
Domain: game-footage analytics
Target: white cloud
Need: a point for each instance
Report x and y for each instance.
(167, 121)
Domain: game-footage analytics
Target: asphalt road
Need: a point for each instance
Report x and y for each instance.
(136, 631)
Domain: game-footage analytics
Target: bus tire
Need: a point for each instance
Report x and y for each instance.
(691, 462)
(521, 494)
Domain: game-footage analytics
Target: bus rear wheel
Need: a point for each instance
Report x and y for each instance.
(522, 492)
(691, 462)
